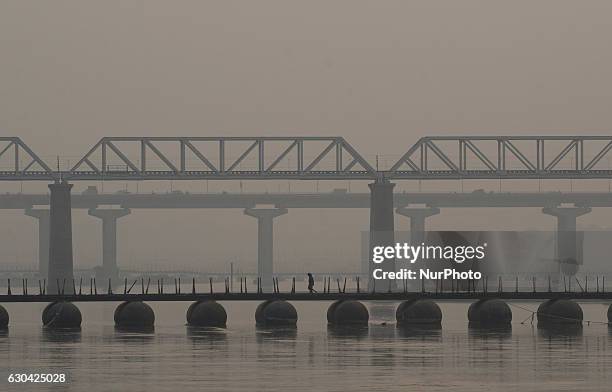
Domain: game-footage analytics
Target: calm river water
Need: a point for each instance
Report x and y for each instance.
(309, 358)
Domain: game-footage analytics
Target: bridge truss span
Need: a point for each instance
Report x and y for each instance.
(512, 157)
(18, 161)
(141, 158)
(317, 158)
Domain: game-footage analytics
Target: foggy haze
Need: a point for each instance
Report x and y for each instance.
(379, 73)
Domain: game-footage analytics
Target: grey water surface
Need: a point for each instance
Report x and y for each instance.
(311, 357)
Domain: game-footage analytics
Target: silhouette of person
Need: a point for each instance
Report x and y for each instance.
(311, 283)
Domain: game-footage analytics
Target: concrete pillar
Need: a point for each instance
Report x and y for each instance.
(42, 217)
(60, 240)
(569, 244)
(265, 242)
(109, 240)
(381, 230)
(417, 221)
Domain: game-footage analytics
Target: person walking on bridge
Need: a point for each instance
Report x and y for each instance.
(311, 283)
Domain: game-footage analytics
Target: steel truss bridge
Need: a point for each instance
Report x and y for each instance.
(316, 158)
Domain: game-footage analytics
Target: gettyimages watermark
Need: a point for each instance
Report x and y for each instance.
(474, 255)
(412, 254)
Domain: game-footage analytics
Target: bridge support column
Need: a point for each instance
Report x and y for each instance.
(381, 231)
(569, 247)
(265, 241)
(42, 216)
(417, 221)
(109, 240)
(60, 270)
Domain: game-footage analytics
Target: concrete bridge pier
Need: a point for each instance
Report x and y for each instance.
(42, 217)
(61, 272)
(109, 241)
(265, 242)
(417, 221)
(569, 245)
(417, 218)
(381, 231)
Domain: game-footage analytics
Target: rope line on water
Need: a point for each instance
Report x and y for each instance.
(533, 313)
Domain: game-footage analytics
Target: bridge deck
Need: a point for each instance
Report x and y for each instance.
(363, 296)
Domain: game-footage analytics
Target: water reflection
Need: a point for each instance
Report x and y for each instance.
(277, 346)
(134, 335)
(208, 343)
(206, 334)
(420, 346)
(382, 310)
(432, 333)
(343, 332)
(561, 332)
(383, 345)
(490, 333)
(60, 346)
(135, 330)
(382, 331)
(63, 335)
(276, 334)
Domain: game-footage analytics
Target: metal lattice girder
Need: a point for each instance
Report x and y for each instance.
(211, 158)
(18, 161)
(481, 157)
(318, 158)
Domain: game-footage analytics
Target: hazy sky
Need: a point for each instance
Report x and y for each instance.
(379, 73)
